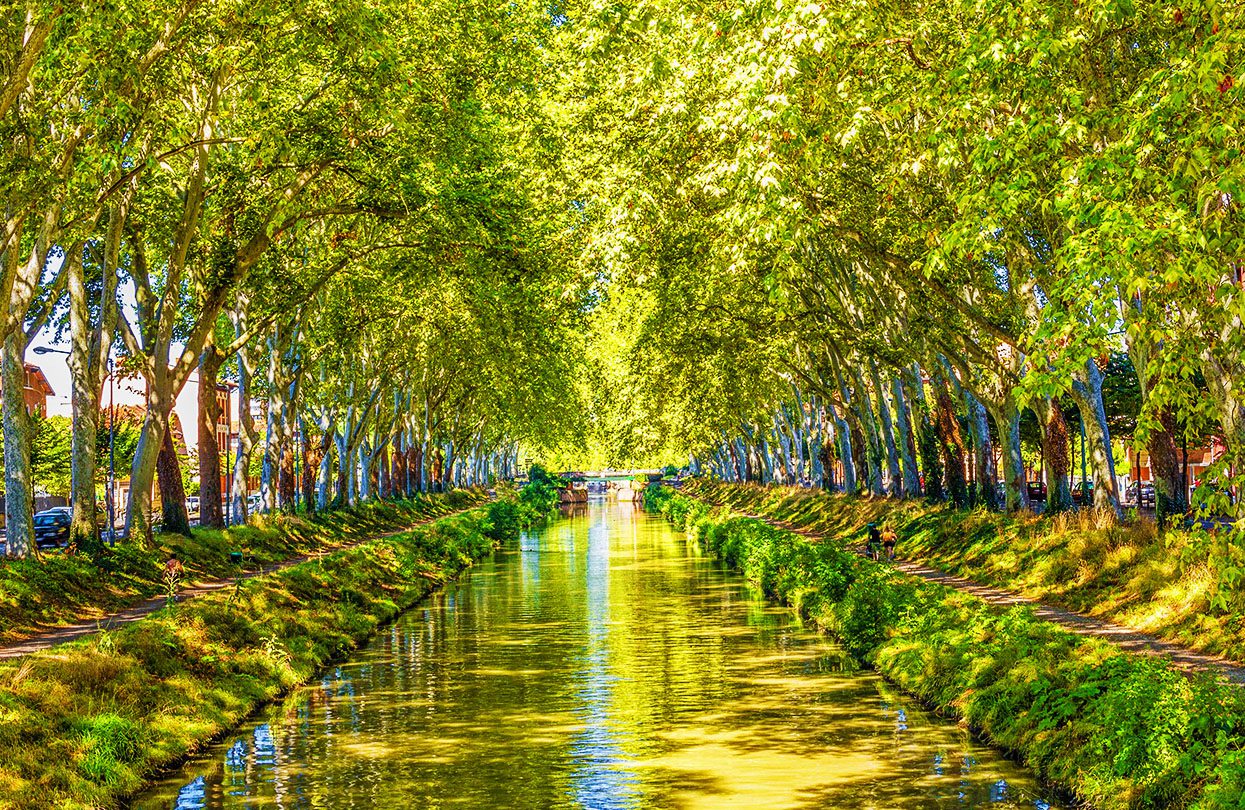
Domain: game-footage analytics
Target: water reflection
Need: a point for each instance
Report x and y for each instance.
(598, 665)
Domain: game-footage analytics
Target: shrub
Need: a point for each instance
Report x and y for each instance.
(504, 520)
(110, 745)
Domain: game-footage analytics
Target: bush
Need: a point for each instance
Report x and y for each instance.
(110, 743)
(504, 520)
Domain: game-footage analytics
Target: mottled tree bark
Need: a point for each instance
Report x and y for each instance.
(172, 490)
(1057, 454)
(1169, 492)
(211, 516)
(19, 501)
(1087, 393)
(951, 445)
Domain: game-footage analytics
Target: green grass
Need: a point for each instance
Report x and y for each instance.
(1116, 730)
(59, 588)
(1184, 586)
(85, 724)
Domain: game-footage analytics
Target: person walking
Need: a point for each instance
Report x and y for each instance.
(888, 540)
(873, 546)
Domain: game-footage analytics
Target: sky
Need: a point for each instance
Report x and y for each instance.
(55, 367)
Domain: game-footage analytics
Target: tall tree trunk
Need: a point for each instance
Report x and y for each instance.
(1087, 393)
(895, 486)
(848, 451)
(341, 495)
(987, 478)
(309, 466)
(325, 478)
(288, 478)
(907, 442)
(1056, 452)
(400, 483)
(418, 468)
(91, 335)
(172, 490)
(19, 500)
(1169, 492)
(268, 473)
(951, 442)
(931, 456)
(384, 478)
(1007, 420)
(138, 514)
(211, 516)
(867, 424)
(84, 531)
(247, 432)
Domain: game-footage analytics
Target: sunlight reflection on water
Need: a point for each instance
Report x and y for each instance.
(598, 665)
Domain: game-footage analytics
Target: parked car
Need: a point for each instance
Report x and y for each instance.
(1083, 492)
(1037, 491)
(111, 536)
(192, 504)
(1147, 495)
(52, 528)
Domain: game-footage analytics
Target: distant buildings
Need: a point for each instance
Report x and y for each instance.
(36, 391)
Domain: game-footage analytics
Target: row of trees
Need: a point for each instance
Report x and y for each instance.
(887, 231)
(340, 206)
(776, 236)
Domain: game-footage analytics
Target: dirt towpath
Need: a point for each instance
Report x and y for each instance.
(1183, 658)
(53, 636)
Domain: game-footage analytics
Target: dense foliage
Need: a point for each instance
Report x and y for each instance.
(840, 234)
(345, 208)
(530, 505)
(860, 245)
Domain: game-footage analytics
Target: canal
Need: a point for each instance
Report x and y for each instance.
(601, 664)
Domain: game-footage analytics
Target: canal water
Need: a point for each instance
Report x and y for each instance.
(600, 664)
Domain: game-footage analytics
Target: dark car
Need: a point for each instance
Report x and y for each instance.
(1146, 501)
(1037, 491)
(52, 528)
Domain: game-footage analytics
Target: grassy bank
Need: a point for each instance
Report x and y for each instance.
(60, 588)
(1184, 586)
(1117, 731)
(85, 724)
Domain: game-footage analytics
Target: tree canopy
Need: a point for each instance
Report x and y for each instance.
(851, 243)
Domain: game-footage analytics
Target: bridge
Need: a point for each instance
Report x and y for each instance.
(607, 474)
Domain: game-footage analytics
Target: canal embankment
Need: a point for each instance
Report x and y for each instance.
(1114, 729)
(62, 592)
(87, 723)
(599, 662)
(1183, 586)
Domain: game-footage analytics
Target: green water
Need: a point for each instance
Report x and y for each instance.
(599, 665)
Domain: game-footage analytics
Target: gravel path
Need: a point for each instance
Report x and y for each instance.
(1183, 658)
(53, 636)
